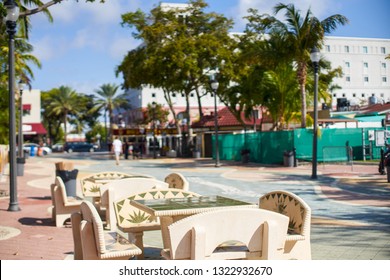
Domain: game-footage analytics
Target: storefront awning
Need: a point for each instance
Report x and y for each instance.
(26, 107)
(33, 129)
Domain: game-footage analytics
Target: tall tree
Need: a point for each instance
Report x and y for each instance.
(179, 44)
(50, 119)
(108, 99)
(64, 104)
(300, 34)
(282, 90)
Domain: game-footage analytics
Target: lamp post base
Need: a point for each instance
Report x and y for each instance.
(13, 207)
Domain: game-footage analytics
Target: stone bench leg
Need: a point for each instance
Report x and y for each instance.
(137, 239)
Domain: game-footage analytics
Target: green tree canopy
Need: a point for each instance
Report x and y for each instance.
(65, 104)
(179, 45)
(300, 34)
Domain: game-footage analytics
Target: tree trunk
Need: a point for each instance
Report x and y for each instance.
(302, 73)
(199, 103)
(65, 129)
(111, 117)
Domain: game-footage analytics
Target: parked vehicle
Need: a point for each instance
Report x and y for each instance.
(26, 150)
(45, 150)
(71, 147)
(58, 147)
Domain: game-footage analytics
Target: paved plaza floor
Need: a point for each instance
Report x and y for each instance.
(350, 204)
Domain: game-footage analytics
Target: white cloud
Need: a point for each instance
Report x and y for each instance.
(96, 12)
(88, 37)
(66, 11)
(46, 48)
(121, 45)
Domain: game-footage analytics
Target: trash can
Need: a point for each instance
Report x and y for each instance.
(172, 154)
(69, 177)
(196, 154)
(20, 166)
(288, 158)
(66, 171)
(32, 151)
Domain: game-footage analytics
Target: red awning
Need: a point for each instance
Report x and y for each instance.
(33, 129)
(27, 107)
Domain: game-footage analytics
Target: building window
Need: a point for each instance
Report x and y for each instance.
(334, 95)
(182, 95)
(347, 64)
(384, 65)
(353, 94)
(346, 49)
(384, 79)
(348, 79)
(365, 49)
(363, 95)
(327, 48)
(153, 95)
(365, 64)
(382, 95)
(343, 94)
(383, 50)
(173, 94)
(366, 79)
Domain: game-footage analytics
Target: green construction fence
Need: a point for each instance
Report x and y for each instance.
(333, 145)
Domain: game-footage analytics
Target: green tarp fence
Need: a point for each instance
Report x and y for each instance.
(270, 147)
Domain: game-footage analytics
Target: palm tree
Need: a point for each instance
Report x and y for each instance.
(301, 34)
(23, 60)
(108, 99)
(66, 102)
(281, 90)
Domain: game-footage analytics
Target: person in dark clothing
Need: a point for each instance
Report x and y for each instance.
(126, 151)
(136, 151)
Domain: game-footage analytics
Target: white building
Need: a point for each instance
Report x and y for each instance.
(32, 126)
(140, 98)
(366, 75)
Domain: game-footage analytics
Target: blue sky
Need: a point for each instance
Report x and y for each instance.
(86, 42)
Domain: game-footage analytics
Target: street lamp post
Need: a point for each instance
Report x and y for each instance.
(315, 58)
(21, 159)
(10, 22)
(214, 85)
(154, 130)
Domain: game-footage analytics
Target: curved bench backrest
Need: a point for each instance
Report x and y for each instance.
(90, 185)
(128, 215)
(292, 206)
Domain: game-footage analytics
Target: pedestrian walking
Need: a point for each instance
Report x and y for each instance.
(117, 149)
(131, 147)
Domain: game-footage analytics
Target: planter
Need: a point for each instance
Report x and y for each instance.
(196, 154)
(172, 154)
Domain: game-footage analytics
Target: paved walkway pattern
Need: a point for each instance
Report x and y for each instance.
(350, 205)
